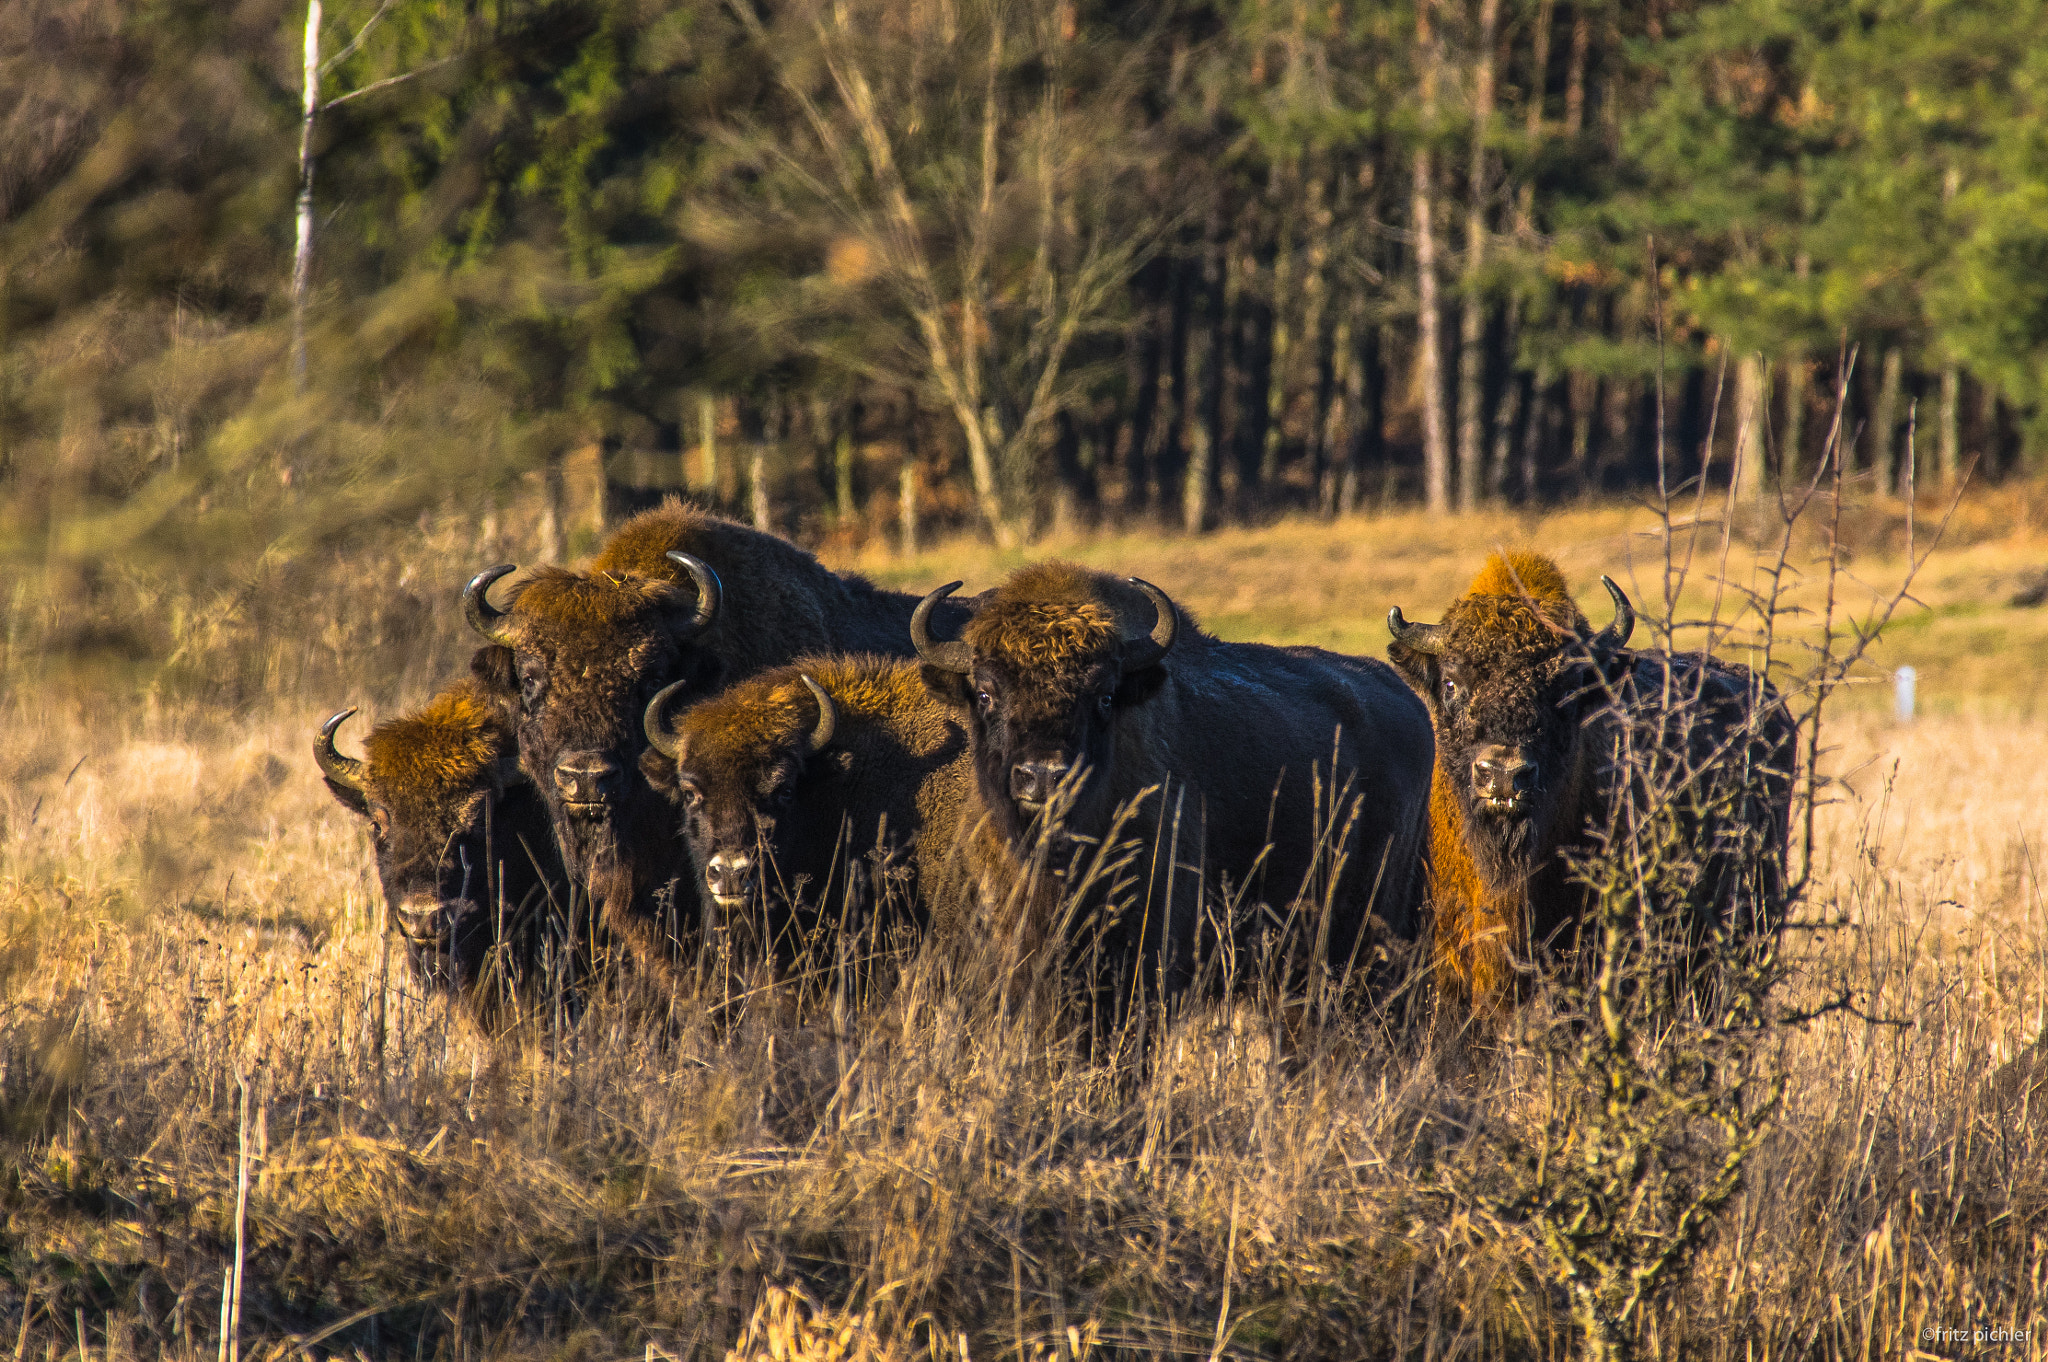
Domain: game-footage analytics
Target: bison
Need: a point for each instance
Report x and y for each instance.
(677, 595)
(465, 850)
(1261, 775)
(834, 785)
(1541, 727)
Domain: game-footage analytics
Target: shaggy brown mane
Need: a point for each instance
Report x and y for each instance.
(1519, 603)
(1053, 616)
(446, 747)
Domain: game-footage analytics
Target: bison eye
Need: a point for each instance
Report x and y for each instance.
(1105, 700)
(692, 797)
(985, 700)
(1450, 689)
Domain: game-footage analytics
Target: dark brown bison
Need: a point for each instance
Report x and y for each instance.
(678, 595)
(834, 785)
(1284, 777)
(1541, 726)
(465, 851)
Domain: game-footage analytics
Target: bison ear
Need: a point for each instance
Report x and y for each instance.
(1421, 670)
(948, 687)
(355, 801)
(660, 771)
(1139, 686)
(494, 668)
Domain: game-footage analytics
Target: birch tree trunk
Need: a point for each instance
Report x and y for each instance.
(1792, 448)
(906, 481)
(1951, 444)
(1749, 453)
(757, 488)
(302, 256)
(1884, 419)
(553, 510)
(707, 448)
(1472, 328)
(1436, 451)
(1948, 443)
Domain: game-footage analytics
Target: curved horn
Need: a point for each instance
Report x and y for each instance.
(710, 591)
(655, 721)
(950, 657)
(1616, 634)
(1421, 637)
(482, 615)
(1143, 652)
(346, 772)
(828, 716)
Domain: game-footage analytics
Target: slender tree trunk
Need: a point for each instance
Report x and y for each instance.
(906, 481)
(1282, 348)
(1949, 444)
(1539, 83)
(1791, 451)
(757, 468)
(1541, 411)
(1504, 418)
(1436, 451)
(1989, 445)
(601, 492)
(1240, 337)
(1255, 368)
(1202, 399)
(1582, 390)
(554, 498)
(707, 448)
(1575, 71)
(1885, 419)
(1342, 414)
(1169, 455)
(302, 256)
(1308, 362)
(1472, 326)
(1360, 388)
(1748, 467)
(757, 489)
(1792, 446)
(1143, 374)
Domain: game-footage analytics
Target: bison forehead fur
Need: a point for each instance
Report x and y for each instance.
(577, 611)
(423, 763)
(776, 710)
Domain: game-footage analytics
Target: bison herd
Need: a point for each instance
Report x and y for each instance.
(707, 730)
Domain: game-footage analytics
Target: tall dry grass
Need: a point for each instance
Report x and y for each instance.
(192, 933)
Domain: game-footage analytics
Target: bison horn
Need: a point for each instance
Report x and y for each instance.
(1420, 637)
(828, 716)
(482, 615)
(655, 721)
(710, 591)
(1616, 634)
(948, 657)
(1143, 652)
(346, 772)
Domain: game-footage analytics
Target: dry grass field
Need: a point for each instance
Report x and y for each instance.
(224, 1101)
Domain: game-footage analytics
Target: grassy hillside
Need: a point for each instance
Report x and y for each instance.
(201, 1024)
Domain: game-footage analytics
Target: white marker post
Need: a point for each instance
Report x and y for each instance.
(1903, 679)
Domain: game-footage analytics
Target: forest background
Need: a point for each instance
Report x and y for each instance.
(279, 284)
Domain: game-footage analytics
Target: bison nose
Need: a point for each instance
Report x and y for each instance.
(1502, 774)
(1032, 782)
(589, 779)
(729, 875)
(419, 920)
